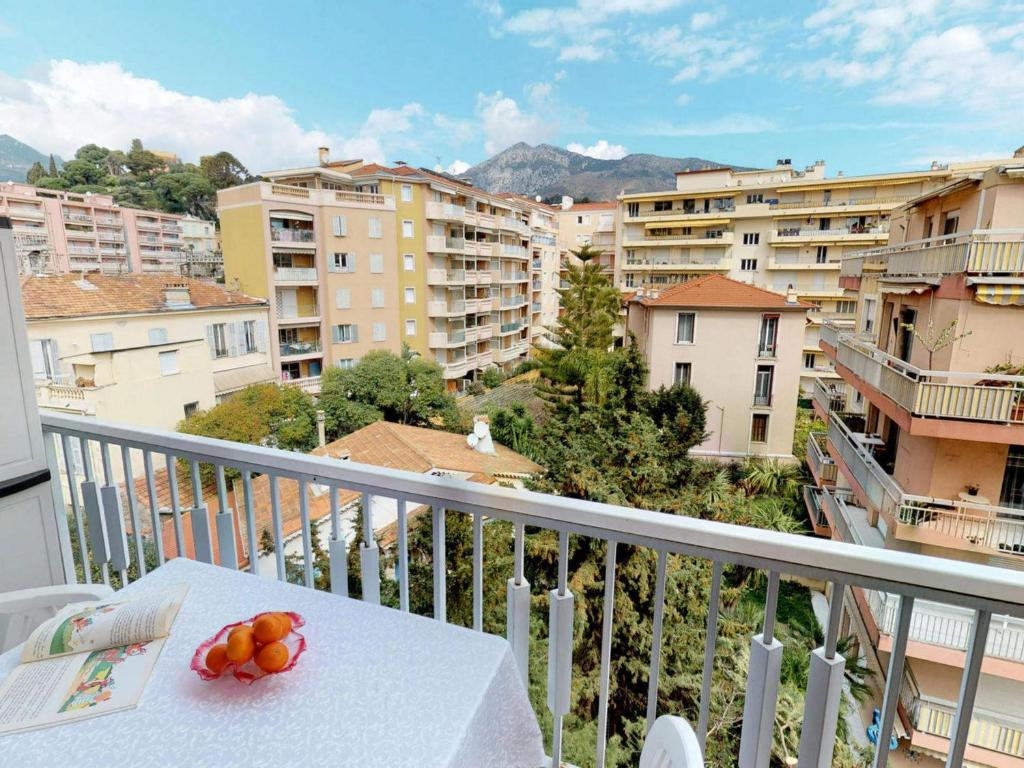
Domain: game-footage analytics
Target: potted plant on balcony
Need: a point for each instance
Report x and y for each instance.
(1008, 368)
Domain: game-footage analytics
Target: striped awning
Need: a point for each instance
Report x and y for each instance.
(1003, 295)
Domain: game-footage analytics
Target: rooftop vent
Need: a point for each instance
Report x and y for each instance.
(324, 154)
(85, 285)
(177, 294)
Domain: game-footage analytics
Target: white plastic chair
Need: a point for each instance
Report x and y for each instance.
(671, 744)
(24, 610)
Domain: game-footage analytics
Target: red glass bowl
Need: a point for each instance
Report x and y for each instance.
(249, 673)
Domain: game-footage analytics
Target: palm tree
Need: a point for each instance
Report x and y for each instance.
(771, 478)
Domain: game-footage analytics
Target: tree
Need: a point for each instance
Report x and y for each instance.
(52, 168)
(83, 172)
(513, 427)
(934, 340)
(141, 162)
(185, 192)
(35, 173)
(224, 170)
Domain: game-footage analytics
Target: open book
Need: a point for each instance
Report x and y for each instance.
(90, 659)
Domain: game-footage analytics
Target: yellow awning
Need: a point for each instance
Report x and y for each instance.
(1003, 295)
(677, 223)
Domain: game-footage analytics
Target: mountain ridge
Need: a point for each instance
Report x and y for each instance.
(16, 157)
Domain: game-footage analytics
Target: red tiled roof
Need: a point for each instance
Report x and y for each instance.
(720, 291)
(47, 296)
(598, 206)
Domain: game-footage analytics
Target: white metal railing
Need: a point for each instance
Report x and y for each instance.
(281, 235)
(935, 394)
(985, 525)
(294, 274)
(817, 457)
(989, 730)
(948, 626)
(110, 514)
(840, 232)
(674, 212)
(813, 501)
(830, 397)
(892, 200)
(978, 252)
(309, 384)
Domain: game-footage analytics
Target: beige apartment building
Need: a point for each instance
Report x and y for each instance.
(58, 232)
(778, 228)
(590, 224)
(925, 444)
(739, 346)
(323, 254)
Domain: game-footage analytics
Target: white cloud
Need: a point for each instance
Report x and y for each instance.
(697, 56)
(706, 19)
(683, 99)
(736, 123)
(458, 167)
(70, 104)
(585, 52)
(539, 92)
(560, 75)
(504, 123)
(601, 149)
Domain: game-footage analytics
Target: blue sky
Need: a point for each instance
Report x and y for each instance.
(867, 85)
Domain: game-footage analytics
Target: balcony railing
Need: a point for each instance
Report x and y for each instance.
(949, 627)
(984, 525)
(445, 211)
(817, 457)
(291, 348)
(882, 491)
(813, 497)
(996, 252)
(295, 274)
(309, 384)
(830, 397)
(292, 235)
(97, 500)
(441, 243)
(728, 207)
(934, 394)
(988, 730)
(310, 314)
(892, 200)
(784, 232)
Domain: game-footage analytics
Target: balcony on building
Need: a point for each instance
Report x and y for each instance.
(693, 209)
(302, 348)
(443, 277)
(297, 306)
(445, 244)
(794, 234)
(828, 396)
(823, 468)
(794, 259)
(439, 211)
(676, 234)
(678, 260)
(292, 230)
(295, 269)
(814, 503)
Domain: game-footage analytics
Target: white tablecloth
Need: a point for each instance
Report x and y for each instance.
(374, 688)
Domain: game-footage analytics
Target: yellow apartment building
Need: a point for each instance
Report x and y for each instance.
(590, 224)
(925, 444)
(778, 228)
(323, 254)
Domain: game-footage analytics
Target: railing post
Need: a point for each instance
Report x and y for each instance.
(517, 603)
(202, 540)
(893, 680)
(762, 687)
(440, 565)
(560, 619)
(60, 508)
(824, 692)
(968, 689)
(338, 550)
(369, 556)
(225, 522)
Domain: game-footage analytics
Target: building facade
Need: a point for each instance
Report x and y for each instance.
(751, 390)
(58, 232)
(323, 255)
(592, 224)
(924, 449)
(778, 229)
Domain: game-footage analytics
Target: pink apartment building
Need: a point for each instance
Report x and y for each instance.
(59, 231)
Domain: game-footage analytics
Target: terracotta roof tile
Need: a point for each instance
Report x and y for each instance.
(47, 296)
(720, 291)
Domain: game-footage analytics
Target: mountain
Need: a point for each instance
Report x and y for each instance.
(17, 157)
(551, 171)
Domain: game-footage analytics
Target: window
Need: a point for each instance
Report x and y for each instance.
(169, 363)
(344, 334)
(951, 223)
(407, 193)
(410, 327)
(763, 384)
(343, 298)
(376, 298)
(218, 338)
(288, 335)
(662, 205)
(248, 337)
(374, 226)
(684, 328)
(869, 315)
(748, 265)
(632, 209)
(44, 358)
(755, 198)
(191, 408)
(769, 336)
(809, 359)
(376, 263)
(291, 371)
(380, 331)
(846, 307)
(759, 428)
(821, 254)
(345, 363)
(157, 335)
(102, 342)
(681, 375)
(339, 226)
(409, 262)
(410, 295)
(751, 238)
(407, 230)
(343, 262)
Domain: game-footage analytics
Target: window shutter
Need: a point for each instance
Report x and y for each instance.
(351, 262)
(340, 226)
(54, 359)
(261, 335)
(355, 332)
(232, 339)
(211, 341)
(38, 359)
(335, 334)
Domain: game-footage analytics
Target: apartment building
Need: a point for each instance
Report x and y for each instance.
(590, 224)
(547, 255)
(475, 277)
(147, 350)
(323, 254)
(925, 444)
(752, 390)
(58, 232)
(776, 228)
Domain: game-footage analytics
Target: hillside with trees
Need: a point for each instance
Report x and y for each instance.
(138, 178)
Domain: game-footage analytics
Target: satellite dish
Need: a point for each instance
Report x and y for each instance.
(472, 440)
(480, 430)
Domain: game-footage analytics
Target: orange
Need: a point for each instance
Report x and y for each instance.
(286, 624)
(241, 646)
(268, 628)
(217, 658)
(240, 628)
(272, 657)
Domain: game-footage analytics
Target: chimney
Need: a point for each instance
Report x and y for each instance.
(566, 202)
(324, 154)
(321, 429)
(176, 294)
(480, 438)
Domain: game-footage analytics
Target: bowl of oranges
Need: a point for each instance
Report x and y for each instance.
(265, 644)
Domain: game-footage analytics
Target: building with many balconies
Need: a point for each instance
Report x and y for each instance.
(778, 229)
(323, 254)
(590, 224)
(924, 450)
